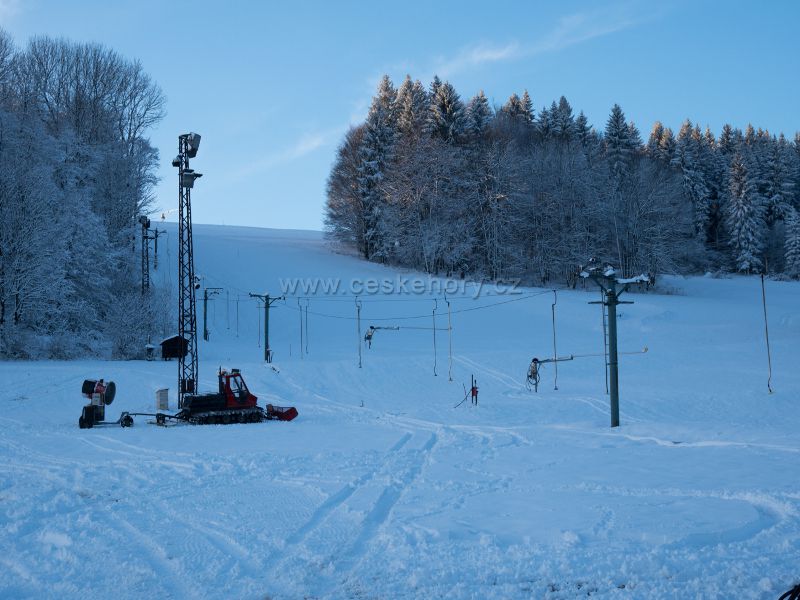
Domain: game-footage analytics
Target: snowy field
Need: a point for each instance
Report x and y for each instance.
(382, 488)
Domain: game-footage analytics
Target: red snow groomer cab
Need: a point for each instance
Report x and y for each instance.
(233, 403)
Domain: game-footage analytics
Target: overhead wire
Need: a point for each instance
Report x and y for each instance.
(425, 316)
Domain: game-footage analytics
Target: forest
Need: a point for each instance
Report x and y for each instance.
(431, 182)
(76, 172)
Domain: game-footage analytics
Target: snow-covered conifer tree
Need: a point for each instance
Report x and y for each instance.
(430, 121)
(563, 121)
(544, 124)
(375, 153)
(744, 218)
(412, 107)
(447, 117)
(779, 181)
(666, 148)
(687, 159)
(654, 141)
(619, 146)
(479, 114)
(513, 106)
(727, 140)
(792, 244)
(526, 108)
(635, 137)
(582, 128)
(344, 215)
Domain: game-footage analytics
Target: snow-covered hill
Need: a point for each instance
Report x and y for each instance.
(383, 488)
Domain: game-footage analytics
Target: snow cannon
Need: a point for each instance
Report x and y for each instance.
(100, 395)
(107, 390)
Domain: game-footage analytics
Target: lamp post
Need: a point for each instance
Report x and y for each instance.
(188, 144)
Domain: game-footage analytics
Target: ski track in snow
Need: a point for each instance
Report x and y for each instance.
(383, 506)
(493, 373)
(335, 500)
(382, 486)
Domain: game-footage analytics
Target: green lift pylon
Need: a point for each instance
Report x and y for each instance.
(607, 280)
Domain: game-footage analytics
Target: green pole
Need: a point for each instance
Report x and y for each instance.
(266, 329)
(205, 313)
(611, 303)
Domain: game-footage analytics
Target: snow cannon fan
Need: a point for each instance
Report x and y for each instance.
(109, 390)
(100, 394)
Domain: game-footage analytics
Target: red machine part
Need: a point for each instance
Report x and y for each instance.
(235, 389)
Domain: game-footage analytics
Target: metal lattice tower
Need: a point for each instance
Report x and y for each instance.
(145, 222)
(187, 303)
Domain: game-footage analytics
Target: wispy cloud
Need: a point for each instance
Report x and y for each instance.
(303, 146)
(581, 27)
(568, 31)
(476, 56)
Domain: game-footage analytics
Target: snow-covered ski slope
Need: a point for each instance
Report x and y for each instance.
(381, 488)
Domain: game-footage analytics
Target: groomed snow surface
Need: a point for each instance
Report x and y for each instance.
(381, 488)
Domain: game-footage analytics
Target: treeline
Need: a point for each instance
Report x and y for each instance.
(433, 183)
(76, 171)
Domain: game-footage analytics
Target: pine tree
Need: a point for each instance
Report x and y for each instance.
(582, 129)
(405, 107)
(744, 218)
(429, 115)
(714, 167)
(792, 244)
(375, 153)
(479, 114)
(447, 116)
(779, 184)
(750, 135)
(635, 137)
(796, 168)
(688, 159)
(553, 112)
(435, 85)
(564, 122)
(412, 107)
(654, 141)
(619, 146)
(666, 149)
(387, 99)
(513, 106)
(727, 140)
(344, 215)
(526, 108)
(708, 138)
(544, 124)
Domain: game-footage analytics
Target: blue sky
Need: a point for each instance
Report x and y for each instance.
(272, 86)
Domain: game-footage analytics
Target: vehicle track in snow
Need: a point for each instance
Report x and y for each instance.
(382, 508)
(293, 551)
(330, 542)
(338, 498)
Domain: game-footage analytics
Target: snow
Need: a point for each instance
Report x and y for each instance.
(381, 488)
